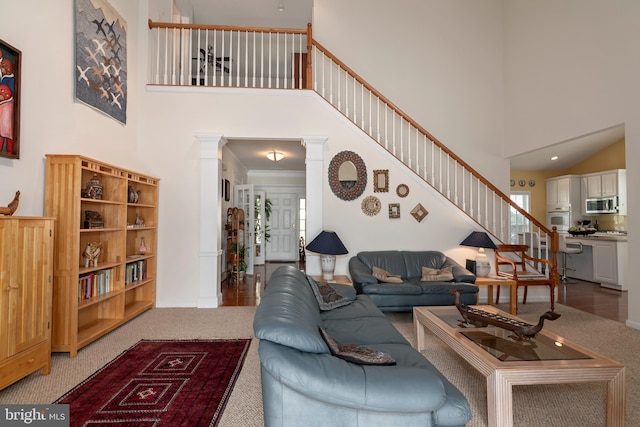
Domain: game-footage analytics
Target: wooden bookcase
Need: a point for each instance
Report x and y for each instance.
(89, 302)
(26, 267)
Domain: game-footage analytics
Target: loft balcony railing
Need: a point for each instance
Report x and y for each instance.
(226, 56)
(249, 57)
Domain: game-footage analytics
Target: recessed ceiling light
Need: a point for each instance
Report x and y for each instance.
(554, 158)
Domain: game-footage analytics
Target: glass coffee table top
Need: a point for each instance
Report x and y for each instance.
(498, 342)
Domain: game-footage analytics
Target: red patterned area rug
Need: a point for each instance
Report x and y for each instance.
(160, 383)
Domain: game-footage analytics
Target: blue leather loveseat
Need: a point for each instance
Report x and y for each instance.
(305, 338)
(413, 287)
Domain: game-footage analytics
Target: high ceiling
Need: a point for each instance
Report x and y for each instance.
(251, 13)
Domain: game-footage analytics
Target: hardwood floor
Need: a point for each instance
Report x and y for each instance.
(586, 296)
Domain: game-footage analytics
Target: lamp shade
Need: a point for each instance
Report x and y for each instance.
(327, 243)
(479, 239)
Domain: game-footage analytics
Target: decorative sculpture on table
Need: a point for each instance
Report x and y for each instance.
(475, 317)
(91, 254)
(12, 206)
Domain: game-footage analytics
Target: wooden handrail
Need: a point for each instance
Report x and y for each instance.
(226, 28)
(416, 125)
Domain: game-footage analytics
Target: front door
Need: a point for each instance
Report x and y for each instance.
(283, 227)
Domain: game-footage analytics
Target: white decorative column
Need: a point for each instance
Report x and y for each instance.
(210, 248)
(314, 200)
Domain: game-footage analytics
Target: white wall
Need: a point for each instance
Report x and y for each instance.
(274, 115)
(438, 61)
(571, 68)
(51, 122)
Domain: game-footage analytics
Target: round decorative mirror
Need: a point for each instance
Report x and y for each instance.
(347, 175)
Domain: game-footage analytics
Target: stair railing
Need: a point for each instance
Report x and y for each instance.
(253, 57)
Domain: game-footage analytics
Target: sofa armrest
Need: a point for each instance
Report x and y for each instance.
(460, 274)
(326, 378)
(360, 274)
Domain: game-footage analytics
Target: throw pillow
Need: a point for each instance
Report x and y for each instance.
(355, 353)
(384, 276)
(327, 297)
(436, 275)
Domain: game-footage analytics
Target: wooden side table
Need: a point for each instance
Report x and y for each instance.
(490, 282)
(341, 280)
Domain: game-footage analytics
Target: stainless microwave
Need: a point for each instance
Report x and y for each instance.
(602, 205)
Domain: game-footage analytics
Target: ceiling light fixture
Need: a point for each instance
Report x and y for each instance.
(275, 156)
(554, 158)
(280, 7)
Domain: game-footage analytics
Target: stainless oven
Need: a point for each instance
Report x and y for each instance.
(559, 217)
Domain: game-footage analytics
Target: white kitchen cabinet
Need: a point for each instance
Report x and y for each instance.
(605, 268)
(563, 190)
(605, 184)
(607, 258)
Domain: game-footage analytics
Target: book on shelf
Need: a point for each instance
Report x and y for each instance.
(94, 284)
(135, 271)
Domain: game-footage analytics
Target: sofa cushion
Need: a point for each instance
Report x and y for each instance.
(327, 296)
(415, 260)
(436, 275)
(288, 314)
(361, 307)
(357, 353)
(391, 261)
(384, 276)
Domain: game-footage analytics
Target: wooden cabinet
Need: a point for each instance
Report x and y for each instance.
(26, 263)
(235, 243)
(611, 183)
(563, 190)
(90, 299)
(602, 184)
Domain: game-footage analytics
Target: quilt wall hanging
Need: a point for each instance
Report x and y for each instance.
(101, 58)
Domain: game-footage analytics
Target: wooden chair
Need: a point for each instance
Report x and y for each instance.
(514, 262)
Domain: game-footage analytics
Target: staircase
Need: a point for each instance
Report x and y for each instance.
(187, 54)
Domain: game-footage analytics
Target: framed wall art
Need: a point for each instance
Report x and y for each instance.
(101, 58)
(10, 71)
(394, 210)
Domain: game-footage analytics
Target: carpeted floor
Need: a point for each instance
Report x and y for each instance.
(575, 405)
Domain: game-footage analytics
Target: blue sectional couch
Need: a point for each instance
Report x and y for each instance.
(307, 381)
(412, 291)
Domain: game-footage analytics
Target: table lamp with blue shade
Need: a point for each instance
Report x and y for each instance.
(482, 241)
(328, 245)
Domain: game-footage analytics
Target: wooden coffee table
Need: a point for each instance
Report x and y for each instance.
(505, 362)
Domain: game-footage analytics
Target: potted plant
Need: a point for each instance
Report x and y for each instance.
(242, 266)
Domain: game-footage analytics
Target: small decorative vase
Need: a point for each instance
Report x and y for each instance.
(143, 248)
(94, 188)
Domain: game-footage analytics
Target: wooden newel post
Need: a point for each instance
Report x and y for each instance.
(309, 48)
(555, 245)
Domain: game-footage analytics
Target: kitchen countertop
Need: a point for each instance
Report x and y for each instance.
(601, 236)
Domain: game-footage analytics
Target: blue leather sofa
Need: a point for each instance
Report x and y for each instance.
(304, 383)
(412, 291)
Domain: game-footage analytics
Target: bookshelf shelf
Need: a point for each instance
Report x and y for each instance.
(120, 228)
